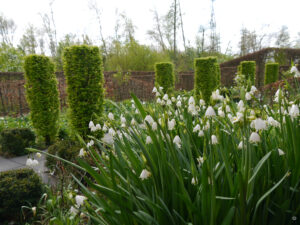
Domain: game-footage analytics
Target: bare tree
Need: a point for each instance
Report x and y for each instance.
(157, 34)
(7, 30)
(181, 23)
(283, 38)
(28, 42)
(93, 6)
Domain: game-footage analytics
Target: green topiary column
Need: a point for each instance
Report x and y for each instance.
(164, 76)
(248, 68)
(218, 75)
(205, 77)
(271, 72)
(84, 76)
(42, 95)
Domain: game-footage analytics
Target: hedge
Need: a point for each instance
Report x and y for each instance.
(205, 77)
(14, 141)
(164, 76)
(248, 68)
(271, 72)
(18, 188)
(42, 95)
(84, 76)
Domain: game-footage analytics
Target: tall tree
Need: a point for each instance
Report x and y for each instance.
(214, 46)
(7, 30)
(28, 42)
(283, 38)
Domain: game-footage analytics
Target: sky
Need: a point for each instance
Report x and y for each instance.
(74, 16)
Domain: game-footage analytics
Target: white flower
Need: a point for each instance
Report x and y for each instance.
(210, 112)
(91, 143)
(280, 152)
(201, 133)
(192, 109)
(173, 99)
(214, 139)
(171, 124)
(294, 111)
(273, 122)
(38, 155)
(160, 88)
(154, 126)
(110, 116)
(166, 97)
(123, 119)
(112, 132)
(254, 137)
(259, 124)
(80, 200)
(228, 109)
(253, 90)
(240, 106)
(145, 174)
(91, 124)
(93, 129)
(148, 140)
(194, 181)
(98, 126)
(200, 160)
(133, 123)
(248, 96)
(221, 113)
(178, 104)
(169, 102)
(82, 153)
(33, 210)
(239, 117)
(158, 101)
(73, 211)
(149, 119)
(196, 128)
(104, 128)
(157, 94)
(240, 145)
(108, 139)
(191, 101)
(154, 90)
(202, 102)
(177, 141)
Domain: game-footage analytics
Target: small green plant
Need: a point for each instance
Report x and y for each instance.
(248, 68)
(206, 77)
(271, 72)
(164, 76)
(14, 141)
(17, 188)
(84, 75)
(42, 95)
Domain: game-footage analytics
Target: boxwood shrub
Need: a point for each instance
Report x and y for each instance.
(18, 188)
(42, 95)
(84, 76)
(271, 72)
(248, 69)
(164, 76)
(206, 78)
(14, 141)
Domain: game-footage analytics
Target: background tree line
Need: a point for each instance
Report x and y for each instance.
(123, 52)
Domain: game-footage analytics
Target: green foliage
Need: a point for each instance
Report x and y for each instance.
(132, 56)
(66, 149)
(248, 68)
(14, 141)
(164, 76)
(11, 59)
(271, 72)
(205, 77)
(84, 75)
(42, 95)
(18, 188)
(218, 74)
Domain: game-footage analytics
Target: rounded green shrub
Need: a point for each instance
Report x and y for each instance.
(66, 149)
(84, 76)
(14, 141)
(248, 68)
(18, 188)
(205, 77)
(164, 76)
(271, 72)
(42, 95)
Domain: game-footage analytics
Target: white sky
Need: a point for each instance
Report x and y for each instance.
(74, 16)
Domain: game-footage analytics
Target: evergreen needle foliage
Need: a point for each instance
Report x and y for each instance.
(248, 68)
(164, 76)
(84, 75)
(271, 72)
(42, 95)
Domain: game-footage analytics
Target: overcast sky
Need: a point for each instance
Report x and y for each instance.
(74, 16)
